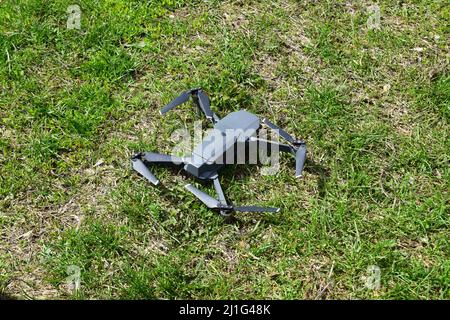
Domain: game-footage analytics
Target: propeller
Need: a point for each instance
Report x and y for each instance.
(182, 98)
(299, 147)
(203, 102)
(213, 203)
(300, 158)
(140, 167)
(256, 209)
(209, 201)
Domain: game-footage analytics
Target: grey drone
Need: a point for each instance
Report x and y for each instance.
(212, 153)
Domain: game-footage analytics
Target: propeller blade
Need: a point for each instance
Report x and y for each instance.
(280, 131)
(300, 158)
(182, 98)
(209, 201)
(140, 167)
(256, 209)
(205, 104)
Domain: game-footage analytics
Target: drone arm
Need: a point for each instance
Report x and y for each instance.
(299, 151)
(272, 144)
(298, 147)
(158, 158)
(215, 118)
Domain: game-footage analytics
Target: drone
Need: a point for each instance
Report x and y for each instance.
(237, 129)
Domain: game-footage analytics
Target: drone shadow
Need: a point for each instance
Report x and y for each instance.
(244, 171)
(322, 173)
(235, 172)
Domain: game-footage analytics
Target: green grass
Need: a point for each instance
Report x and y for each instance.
(372, 105)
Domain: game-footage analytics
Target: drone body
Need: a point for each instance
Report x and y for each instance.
(237, 131)
(210, 155)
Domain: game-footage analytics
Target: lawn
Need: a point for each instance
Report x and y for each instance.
(369, 219)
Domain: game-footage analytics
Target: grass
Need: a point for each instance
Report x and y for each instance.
(373, 106)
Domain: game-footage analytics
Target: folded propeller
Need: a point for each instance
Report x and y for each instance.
(298, 147)
(215, 204)
(198, 94)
